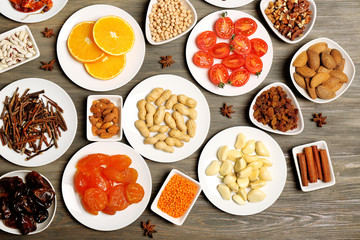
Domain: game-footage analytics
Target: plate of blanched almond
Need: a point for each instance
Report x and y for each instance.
(167, 118)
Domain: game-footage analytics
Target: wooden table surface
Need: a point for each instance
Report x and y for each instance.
(330, 213)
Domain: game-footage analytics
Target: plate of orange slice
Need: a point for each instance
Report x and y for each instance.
(101, 50)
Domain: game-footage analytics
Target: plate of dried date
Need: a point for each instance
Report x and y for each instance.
(46, 118)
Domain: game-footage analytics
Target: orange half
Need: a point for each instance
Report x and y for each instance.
(81, 44)
(107, 67)
(113, 35)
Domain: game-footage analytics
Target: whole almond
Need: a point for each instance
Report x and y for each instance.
(336, 54)
(110, 105)
(94, 109)
(319, 47)
(299, 80)
(98, 124)
(100, 131)
(93, 130)
(327, 60)
(106, 111)
(318, 79)
(343, 78)
(115, 120)
(97, 115)
(331, 83)
(114, 129)
(109, 117)
(324, 92)
(313, 59)
(101, 105)
(300, 60)
(106, 125)
(305, 71)
(93, 120)
(323, 69)
(104, 100)
(115, 110)
(106, 135)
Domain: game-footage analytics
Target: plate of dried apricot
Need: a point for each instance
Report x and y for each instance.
(106, 185)
(101, 50)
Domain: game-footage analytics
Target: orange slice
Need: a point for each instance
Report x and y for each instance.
(113, 35)
(81, 43)
(107, 67)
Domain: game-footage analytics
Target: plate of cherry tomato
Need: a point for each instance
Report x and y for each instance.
(98, 193)
(229, 53)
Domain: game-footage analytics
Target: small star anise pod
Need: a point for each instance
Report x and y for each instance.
(48, 66)
(226, 110)
(166, 61)
(48, 33)
(319, 119)
(148, 228)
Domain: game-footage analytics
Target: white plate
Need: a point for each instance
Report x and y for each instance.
(118, 102)
(31, 38)
(177, 85)
(308, 27)
(178, 221)
(272, 189)
(188, 6)
(201, 74)
(76, 70)
(105, 222)
(291, 95)
(228, 3)
(57, 94)
(52, 209)
(8, 11)
(349, 69)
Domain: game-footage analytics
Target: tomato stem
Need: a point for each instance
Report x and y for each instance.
(221, 85)
(223, 14)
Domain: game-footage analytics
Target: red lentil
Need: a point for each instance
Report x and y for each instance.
(177, 196)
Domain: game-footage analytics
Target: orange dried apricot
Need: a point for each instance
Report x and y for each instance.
(96, 180)
(88, 209)
(120, 162)
(117, 199)
(90, 162)
(134, 193)
(108, 211)
(81, 182)
(96, 199)
(129, 175)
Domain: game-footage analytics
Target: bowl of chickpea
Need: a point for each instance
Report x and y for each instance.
(167, 20)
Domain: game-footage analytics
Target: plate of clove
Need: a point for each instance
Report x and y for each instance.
(42, 125)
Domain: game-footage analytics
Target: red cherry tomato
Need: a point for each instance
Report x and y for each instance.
(258, 46)
(253, 64)
(206, 40)
(239, 77)
(220, 50)
(245, 26)
(233, 61)
(203, 59)
(241, 45)
(224, 27)
(219, 75)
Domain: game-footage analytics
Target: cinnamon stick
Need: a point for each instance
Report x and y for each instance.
(310, 164)
(317, 162)
(303, 170)
(325, 166)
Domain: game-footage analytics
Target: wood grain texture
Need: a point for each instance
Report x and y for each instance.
(330, 213)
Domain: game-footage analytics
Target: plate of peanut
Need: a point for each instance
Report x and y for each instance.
(167, 118)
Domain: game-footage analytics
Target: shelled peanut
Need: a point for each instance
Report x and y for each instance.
(179, 125)
(319, 70)
(105, 118)
(240, 170)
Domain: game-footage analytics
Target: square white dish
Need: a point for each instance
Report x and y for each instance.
(291, 95)
(349, 69)
(178, 221)
(118, 102)
(187, 4)
(31, 37)
(308, 27)
(319, 184)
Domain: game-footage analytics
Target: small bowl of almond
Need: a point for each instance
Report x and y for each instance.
(103, 122)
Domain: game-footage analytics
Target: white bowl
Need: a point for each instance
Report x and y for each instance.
(290, 95)
(308, 27)
(52, 209)
(118, 102)
(178, 221)
(228, 4)
(187, 5)
(319, 184)
(349, 69)
(31, 37)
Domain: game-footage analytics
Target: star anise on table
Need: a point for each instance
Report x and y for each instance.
(166, 61)
(319, 119)
(226, 110)
(48, 66)
(148, 228)
(48, 33)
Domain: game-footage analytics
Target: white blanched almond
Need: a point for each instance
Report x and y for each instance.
(238, 199)
(213, 168)
(264, 174)
(256, 195)
(222, 153)
(240, 141)
(245, 172)
(243, 182)
(249, 147)
(229, 178)
(257, 184)
(240, 164)
(233, 154)
(251, 158)
(224, 191)
(226, 167)
(261, 149)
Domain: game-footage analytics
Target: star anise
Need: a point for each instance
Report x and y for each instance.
(148, 228)
(49, 32)
(166, 61)
(226, 110)
(48, 66)
(319, 119)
